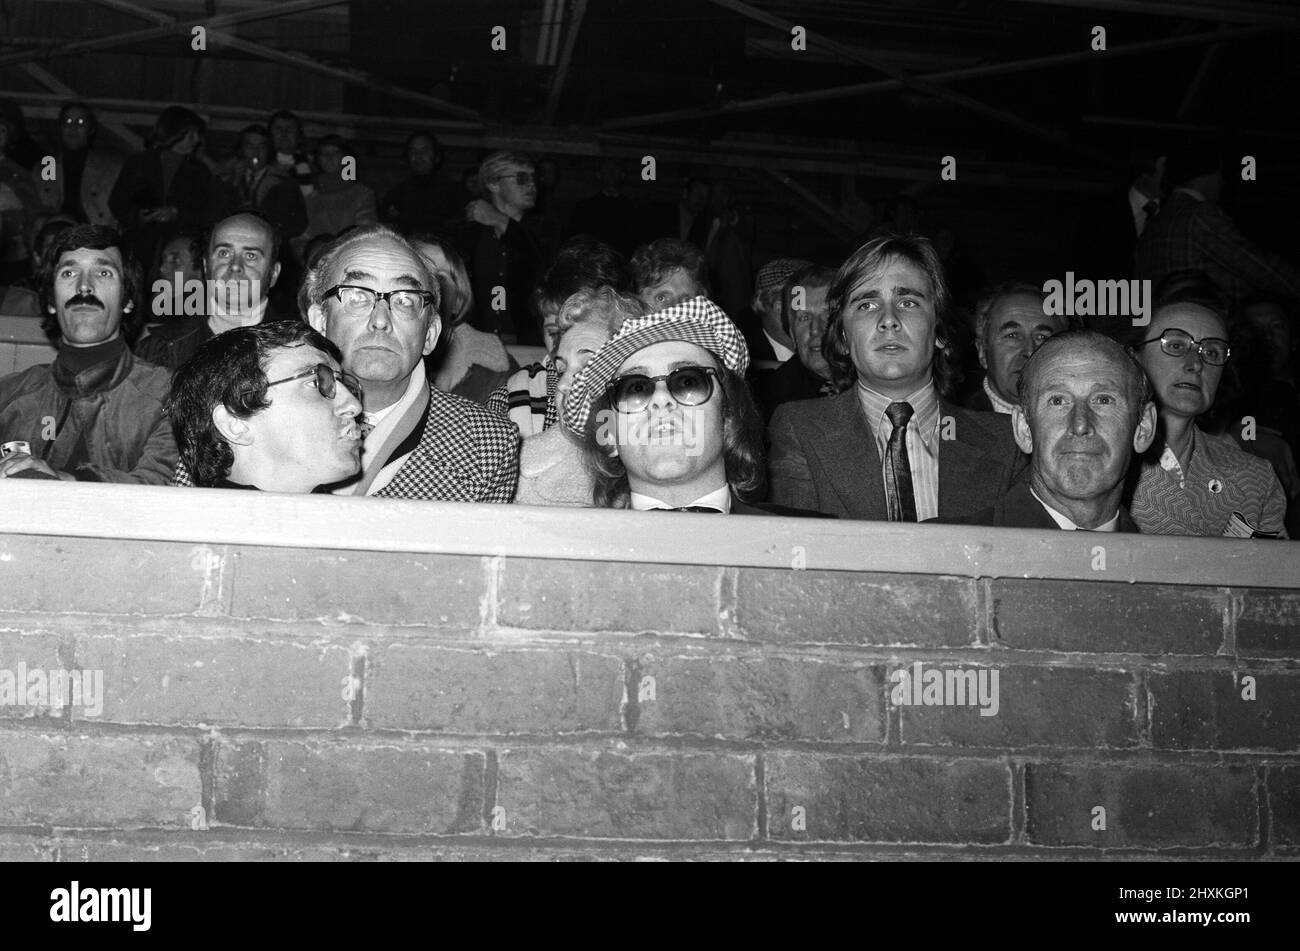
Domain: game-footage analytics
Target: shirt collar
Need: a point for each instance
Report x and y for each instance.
(783, 353)
(719, 499)
(414, 386)
(1068, 525)
(925, 410)
(999, 404)
(1191, 191)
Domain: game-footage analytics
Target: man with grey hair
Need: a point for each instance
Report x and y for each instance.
(1010, 324)
(1085, 408)
(503, 256)
(373, 296)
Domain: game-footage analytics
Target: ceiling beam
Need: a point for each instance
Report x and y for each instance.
(170, 28)
(804, 202)
(566, 57)
(854, 90)
(300, 61)
(1001, 116)
(1273, 14)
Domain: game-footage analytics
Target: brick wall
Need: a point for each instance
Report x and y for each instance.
(291, 703)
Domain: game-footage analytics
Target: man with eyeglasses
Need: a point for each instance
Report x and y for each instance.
(267, 407)
(666, 419)
(373, 295)
(242, 265)
(503, 255)
(1193, 482)
(84, 173)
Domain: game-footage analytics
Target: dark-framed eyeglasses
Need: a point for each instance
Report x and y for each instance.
(405, 302)
(1177, 343)
(326, 378)
(689, 386)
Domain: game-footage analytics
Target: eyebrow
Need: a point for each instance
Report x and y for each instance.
(95, 262)
(897, 291)
(1012, 322)
(356, 274)
(242, 247)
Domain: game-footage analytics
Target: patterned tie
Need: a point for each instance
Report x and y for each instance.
(898, 470)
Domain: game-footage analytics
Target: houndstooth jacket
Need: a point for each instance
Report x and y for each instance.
(467, 453)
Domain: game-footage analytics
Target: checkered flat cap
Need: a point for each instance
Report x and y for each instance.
(698, 321)
(775, 273)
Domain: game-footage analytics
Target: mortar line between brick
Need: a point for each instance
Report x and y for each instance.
(1232, 606)
(492, 568)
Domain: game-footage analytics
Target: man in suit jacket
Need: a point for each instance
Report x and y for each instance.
(1085, 409)
(1010, 324)
(242, 265)
(890, 446)
(420, 443)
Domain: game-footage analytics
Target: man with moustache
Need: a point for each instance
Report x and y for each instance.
(890, 446)
(96, 413)
(243, 264)
(1009, 326)
(1083, 411)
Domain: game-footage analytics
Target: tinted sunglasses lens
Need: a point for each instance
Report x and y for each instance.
(325, 381)
(632, 393)
(690, 386)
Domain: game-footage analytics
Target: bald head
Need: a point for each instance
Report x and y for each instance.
(1085, 409)
(1097, 349)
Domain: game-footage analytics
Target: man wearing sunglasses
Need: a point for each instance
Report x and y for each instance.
(665, 416)
(503, 256)
(267, 407)
(1193, 482)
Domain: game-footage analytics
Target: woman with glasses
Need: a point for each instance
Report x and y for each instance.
(1192, 482)
(666, 419)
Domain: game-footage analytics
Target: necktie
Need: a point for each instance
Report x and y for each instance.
(1149, 211)
(898, 470)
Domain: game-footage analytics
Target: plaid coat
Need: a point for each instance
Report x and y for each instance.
(466, 454)
(1188, 233)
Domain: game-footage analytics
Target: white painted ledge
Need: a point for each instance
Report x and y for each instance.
(228, 517)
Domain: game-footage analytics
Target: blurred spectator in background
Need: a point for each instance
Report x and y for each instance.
(21, 147)
(84, 173)
(503, 255)
(466, 362)
(290, 151)
(19, 207)
(1193, 231)
(668, 271)
(806, 375)
(767, 303)
(419, 203)
(609, 214)
(338, 201)
(164, 187)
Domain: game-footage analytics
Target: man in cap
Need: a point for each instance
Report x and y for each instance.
(665, 416)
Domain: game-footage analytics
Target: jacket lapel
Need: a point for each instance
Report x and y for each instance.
(966, 466)
(848, 454)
